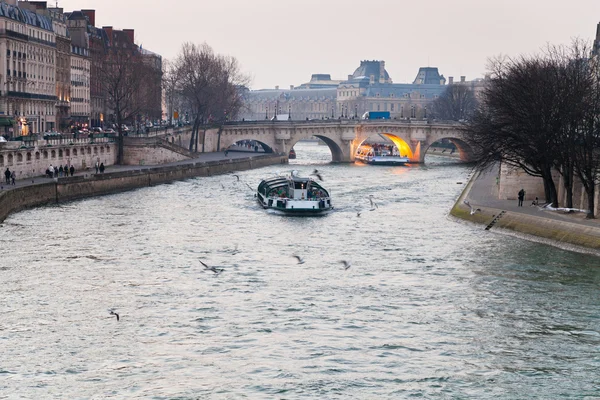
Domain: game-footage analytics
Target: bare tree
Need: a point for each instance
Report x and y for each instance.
(209, 84)
(586, 136)
(123, 77)
(456, 103)
(518, 122)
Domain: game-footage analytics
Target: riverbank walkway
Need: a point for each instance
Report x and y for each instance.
(90, 171)
(483, 193)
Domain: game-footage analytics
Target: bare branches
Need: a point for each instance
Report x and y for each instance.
(542, 114)
(210, 85)
(457, 103)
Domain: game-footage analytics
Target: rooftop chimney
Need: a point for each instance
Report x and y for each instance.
(450, 80)
(109, 33)
(291, 87)
(381, 71)
(91, 15)
(277, 87)
(130, 34)
(463, 78)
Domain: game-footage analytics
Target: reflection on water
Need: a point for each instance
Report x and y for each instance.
(429, 308)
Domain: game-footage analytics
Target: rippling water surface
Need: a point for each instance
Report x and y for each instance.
(430, 308)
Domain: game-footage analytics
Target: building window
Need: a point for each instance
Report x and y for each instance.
(402, 112)
(413, 112)
(392, 107)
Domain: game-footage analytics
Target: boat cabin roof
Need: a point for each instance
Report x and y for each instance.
(280, 181)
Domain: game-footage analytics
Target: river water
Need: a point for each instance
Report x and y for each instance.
(430, 308)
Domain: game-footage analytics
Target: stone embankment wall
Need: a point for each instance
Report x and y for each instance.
(152, 151)
(551, 231)
(34, 158)
(77, 187)
(514, 179)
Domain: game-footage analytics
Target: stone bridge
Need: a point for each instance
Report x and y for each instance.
(343, 137)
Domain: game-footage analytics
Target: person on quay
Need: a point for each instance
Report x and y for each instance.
(101, 168)
(7, 176)
(72, 170)
(521, 197)
(13, 177)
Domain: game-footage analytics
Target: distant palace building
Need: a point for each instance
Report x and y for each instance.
(369, 88)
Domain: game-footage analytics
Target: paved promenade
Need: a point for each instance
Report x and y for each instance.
(202, 157)
(567, 230)
(484, 193)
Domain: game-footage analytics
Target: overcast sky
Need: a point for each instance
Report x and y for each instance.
(283, 42)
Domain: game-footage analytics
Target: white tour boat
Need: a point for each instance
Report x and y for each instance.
(379, 156)
(293, 195)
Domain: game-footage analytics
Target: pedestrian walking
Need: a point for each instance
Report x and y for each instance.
(101, 168)
(60, 171)
(13, 177)
(7, 176)
(97, 166)
(72, 170)
(521, 197)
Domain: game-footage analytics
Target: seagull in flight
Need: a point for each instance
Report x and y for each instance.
(358, 213)
(472, 210)
(212, 269)
(346, 264)
(300, 259)
(237, 176)
(317, 174)
(373, 204)
(112, 312)
(548, 207)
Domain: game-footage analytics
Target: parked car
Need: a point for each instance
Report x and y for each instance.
(110, 130)
(2, 139)
(97, 129)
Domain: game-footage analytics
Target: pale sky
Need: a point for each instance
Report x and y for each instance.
(283, 42)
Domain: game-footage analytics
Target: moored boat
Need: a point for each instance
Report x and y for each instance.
(381, 155)
(292, 154)
(293, 195)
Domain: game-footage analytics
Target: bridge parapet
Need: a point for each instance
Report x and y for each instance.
(343, 136)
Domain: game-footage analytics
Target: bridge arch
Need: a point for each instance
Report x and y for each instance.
(464, 150)
(404, 148)
(242, 145)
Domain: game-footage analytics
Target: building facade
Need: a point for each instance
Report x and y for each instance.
(369, 88)
(80, 87)
(28, 86)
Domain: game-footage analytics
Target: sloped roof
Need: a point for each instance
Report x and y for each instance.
(25, 16)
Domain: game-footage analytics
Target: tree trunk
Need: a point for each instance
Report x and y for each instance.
(203, 138)
(568, 184)
(219, 138)
(591, 191)
(550, 187)
(191, 146)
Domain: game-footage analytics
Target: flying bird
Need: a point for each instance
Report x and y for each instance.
(346, 264)
(373, 204)
(237, 176)
(471, 209)
(300, 259)
(212, 269)
(358, 213)
(114, 313)
(317, 174)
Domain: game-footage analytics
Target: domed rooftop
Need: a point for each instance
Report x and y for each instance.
(375, 68)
